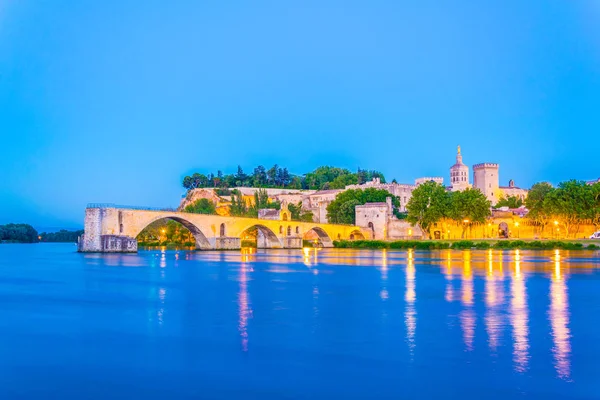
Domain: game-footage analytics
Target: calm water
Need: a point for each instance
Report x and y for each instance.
(298, 324)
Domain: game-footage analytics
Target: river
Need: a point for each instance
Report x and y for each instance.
(312, 323)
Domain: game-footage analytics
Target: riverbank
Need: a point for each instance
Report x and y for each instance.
(466, 244)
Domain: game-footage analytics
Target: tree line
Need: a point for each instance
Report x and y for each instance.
(25, 233)
(431, 203)
(62, 236)
(18, 233)
(568, 206)
(325, 177)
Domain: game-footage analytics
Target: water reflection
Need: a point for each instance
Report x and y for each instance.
(501, 306)
(449, 293)
(559, 321)
(384, 275)
(244, 308)
(162, 294)
(410, 314)
(467, 315)
(494, 297)
(519, 318)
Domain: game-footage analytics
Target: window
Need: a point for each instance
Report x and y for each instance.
(222, 230)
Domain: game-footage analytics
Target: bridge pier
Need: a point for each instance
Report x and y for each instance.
(292, 242)
(228, 243)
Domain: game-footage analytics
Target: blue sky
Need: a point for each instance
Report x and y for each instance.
(114, 101)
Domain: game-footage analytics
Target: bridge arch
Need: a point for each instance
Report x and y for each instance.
(266, 238)
(202, 242)
(357, 235)
(319, 234)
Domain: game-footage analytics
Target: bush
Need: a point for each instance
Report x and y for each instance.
(249, 243)
(361, 244)
(201, 206)
(462, 245)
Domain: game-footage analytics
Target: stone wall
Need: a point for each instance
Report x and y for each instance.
(292, 242)
(403, 230)
(228, 243)
(373, 217)
(118, 244)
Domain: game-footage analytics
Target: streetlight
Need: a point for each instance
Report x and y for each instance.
(557, 228)
(517, 225)
(466, 221)
(490, 229)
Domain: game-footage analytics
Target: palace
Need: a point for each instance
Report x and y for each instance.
(485, 178)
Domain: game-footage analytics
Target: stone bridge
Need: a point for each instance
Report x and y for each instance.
(111, 228)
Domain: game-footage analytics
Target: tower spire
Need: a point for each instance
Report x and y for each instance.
(458, 155)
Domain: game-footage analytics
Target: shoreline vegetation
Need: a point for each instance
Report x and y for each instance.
(25, 233)
(419, 245)
(466, 245)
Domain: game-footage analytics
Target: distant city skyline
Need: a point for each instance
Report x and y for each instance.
(117, 101)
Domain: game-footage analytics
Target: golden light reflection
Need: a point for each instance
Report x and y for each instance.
(559, 321)
(410, 315)
(384, 275)
(449, 293)
(493, 298)
(467, 316)
(163, 257)
(467, 279)
(244, 309)
(467, 323)
(519, 318)
(248, 254)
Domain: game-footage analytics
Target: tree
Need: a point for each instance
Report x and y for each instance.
(428, 204)
(262, 201)
(62, 236)
(341, 210)
(272, 174)
(321, 178)
(510, 202)
(595, 211)
(298, 214)
(286, 178)
(18, 233)
(241, 178)
(187, 182)
(468, 207)
(201, 206)
(259, 176)
(342, 181)
(538, 210)
(571, 204)
(238, 206)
